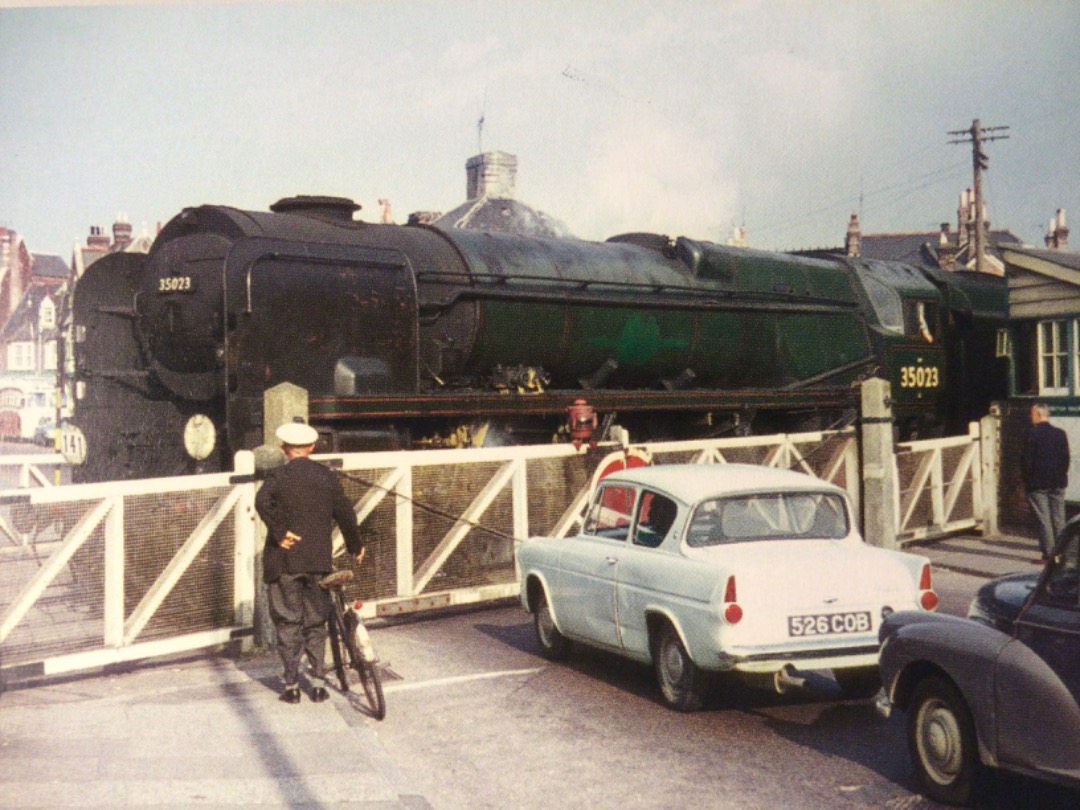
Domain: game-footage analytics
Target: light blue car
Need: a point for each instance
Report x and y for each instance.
(731, 568)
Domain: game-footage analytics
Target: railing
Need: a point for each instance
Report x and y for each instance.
(22, 470)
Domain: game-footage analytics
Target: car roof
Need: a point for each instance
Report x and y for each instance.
(696, 482)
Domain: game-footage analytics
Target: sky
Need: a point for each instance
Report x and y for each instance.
(684, 117)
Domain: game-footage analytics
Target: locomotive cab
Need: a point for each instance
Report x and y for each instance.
(908, 327)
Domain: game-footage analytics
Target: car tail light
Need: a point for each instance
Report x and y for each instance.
(927, 598)
(732, 609)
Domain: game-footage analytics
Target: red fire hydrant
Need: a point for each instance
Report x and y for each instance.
(581, 421)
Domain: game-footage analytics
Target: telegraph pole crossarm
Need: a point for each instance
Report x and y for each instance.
(977, 135)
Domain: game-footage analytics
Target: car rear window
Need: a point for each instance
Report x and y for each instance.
(768, 516)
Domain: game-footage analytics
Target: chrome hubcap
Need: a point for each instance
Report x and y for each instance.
(673, 664)
(939, 742)
(546, 625)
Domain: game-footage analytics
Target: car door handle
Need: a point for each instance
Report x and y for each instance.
(611, 560)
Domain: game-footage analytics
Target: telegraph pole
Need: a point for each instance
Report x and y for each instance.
(977, 136)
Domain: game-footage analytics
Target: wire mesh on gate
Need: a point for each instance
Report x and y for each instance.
(69, 615)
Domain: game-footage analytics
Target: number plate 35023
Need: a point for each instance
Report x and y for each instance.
(827, 624)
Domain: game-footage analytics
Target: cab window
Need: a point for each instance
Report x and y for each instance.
(609, 516)
(920, 320)
(655, 517)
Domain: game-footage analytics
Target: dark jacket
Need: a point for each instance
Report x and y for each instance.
(1046, 458)
(306, 498)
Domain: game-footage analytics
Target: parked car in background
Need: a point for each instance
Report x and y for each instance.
(732, 568)
(45, 432)
(999, 689)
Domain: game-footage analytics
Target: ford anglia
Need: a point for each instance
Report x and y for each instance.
(729, 568)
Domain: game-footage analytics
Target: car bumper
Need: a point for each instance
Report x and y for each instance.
(774, 660)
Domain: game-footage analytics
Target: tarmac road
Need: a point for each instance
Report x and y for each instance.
(476, 719)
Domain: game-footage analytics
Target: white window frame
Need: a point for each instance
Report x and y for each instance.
(21, 355)
(48, 362)
(1059, 357)
(47, 314)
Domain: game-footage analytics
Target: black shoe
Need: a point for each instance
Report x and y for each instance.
(319, 694)
(291, 694)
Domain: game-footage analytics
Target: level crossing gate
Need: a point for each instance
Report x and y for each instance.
(97, 574)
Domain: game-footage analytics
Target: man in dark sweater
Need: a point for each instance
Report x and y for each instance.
(299, 503)
(1046, 474)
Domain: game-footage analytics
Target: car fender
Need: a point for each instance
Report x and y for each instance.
(532, 584)
(698, 633)
(1038, 718)
(658, 615)
(965, 651)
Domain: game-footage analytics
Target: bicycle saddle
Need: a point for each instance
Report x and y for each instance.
(335, 579)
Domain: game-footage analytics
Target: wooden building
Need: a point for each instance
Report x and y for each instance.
(1043, 345)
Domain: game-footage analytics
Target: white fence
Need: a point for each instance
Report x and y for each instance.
(96, 574)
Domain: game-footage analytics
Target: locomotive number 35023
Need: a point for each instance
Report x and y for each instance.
(919, 377)
(175, 284)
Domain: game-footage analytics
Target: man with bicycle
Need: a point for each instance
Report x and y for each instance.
(299, 503)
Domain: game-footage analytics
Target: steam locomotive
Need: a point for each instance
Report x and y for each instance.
(415, 336)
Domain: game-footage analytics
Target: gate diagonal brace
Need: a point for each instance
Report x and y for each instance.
(164, 584)
(53, 566)
(466, 523)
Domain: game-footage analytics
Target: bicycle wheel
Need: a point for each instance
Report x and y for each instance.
(370, 677)
(337, 633)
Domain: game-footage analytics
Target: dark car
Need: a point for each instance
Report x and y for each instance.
(998, 689)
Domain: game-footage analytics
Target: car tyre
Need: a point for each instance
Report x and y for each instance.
(683, 684)
(942, 743)
(554, 646)
(858, 683)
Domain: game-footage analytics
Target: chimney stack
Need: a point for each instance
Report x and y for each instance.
(121, 232)
(946, 249)
(491, 174)
(97, 240)
(853, 240)
(1057, 233)
(966, 218)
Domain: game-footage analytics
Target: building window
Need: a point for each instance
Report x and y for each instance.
(49, 361)
(1002, 348)
(1053, 357)
(47, 314)
(21, 356)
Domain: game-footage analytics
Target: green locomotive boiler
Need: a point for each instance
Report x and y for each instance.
(415, 336)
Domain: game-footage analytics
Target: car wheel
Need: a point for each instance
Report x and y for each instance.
(941, 739)
(554, 646)
(858, 683)
(682, 683)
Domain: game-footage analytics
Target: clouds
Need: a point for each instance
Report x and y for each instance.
(686, 117)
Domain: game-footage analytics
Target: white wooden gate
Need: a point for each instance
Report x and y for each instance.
(102, 573)
(940, 488)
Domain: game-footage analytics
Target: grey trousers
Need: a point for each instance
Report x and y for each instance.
(299, 609)
(1049, 508)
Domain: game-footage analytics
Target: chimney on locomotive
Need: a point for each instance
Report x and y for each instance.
(340, 209)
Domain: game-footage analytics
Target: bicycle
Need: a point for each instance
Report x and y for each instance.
(350, 644)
